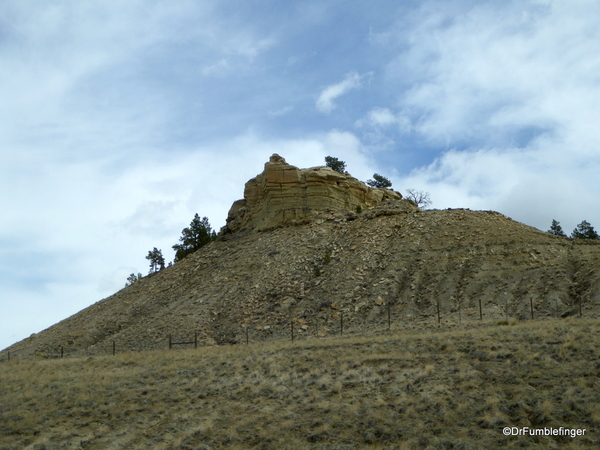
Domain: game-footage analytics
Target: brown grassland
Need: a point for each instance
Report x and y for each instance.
(438, 389)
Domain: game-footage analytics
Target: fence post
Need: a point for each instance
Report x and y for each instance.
(531, 305)
(246, 335)
(317, 326)
(62, 352)
(341, 323)
(580, 302)
(292, 325)
(389, 318)
(195, 340)
(114, 348)
(170, 342)
(480, 314)
(507, 309)
(438, 311)
(9, 356)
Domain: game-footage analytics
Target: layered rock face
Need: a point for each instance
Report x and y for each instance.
(286, 195)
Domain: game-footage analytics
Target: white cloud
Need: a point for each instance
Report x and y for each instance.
(490, 73)
(510, 93)
(325, 102)
(384, 118)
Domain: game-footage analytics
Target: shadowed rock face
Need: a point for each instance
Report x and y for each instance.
(286, 195)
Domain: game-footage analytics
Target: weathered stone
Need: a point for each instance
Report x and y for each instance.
(286, 195)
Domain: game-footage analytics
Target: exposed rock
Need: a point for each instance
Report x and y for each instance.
(286, 195)
(392, 261)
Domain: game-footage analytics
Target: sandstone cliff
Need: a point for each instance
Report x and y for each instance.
(286, 195)
(338, 262)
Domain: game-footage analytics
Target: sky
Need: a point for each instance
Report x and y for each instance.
(121, 120)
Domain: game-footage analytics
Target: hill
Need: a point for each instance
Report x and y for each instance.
(296, 250)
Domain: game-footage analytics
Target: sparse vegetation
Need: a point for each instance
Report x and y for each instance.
(434, 390)
(157, 260)
(379, 181)
(584, 231)
(132, 278)
(335, 164)
(194, 237)
(419, 198)
(556, 229)
(327, 257)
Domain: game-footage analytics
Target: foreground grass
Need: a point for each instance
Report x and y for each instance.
(439, 390)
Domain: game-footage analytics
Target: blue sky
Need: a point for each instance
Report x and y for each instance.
(121, 120)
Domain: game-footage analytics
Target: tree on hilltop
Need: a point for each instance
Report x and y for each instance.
(133, 278)
(194, 237)
(556, 229)
(420, 198)
(379, 181)
(157, 261)
(335, 164)
(584, 231)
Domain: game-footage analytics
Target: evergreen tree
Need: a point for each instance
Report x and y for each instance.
(379, 181)
(196, 236)
(584, 231)
(335, 164)
(556, 229)
(157, 261)
(133, 278)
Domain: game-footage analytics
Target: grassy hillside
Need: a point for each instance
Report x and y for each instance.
(444, 389)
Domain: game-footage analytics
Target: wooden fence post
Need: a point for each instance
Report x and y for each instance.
(580, 302)
(62, 352)
(480, 313)
(292, 325)
(9, 356)
(246, 335)
(170, 345)
(114, 348)
(341, 323)
(531, 305)
(506, 303)
(438, 311)
(195, 340)
(389, 318)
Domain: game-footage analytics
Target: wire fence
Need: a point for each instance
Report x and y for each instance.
(343, 322)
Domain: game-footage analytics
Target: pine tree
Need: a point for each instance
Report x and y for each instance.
(584, 231)
(157, 261)
(335, 164)
(556, 229)
(132, 278)
(194, 237)
(379, 181)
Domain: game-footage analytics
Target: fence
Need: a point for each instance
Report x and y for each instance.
(348, 324)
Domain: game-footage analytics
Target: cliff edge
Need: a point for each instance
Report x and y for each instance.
(286, 195)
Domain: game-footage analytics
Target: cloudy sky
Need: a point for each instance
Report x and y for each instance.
(121, 120)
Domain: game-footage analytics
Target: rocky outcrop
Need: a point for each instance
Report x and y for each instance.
(286, 195)
(393, 263)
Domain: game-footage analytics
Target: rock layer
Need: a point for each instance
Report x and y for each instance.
(286, 195)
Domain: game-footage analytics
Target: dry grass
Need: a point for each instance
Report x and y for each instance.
(438, 390)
